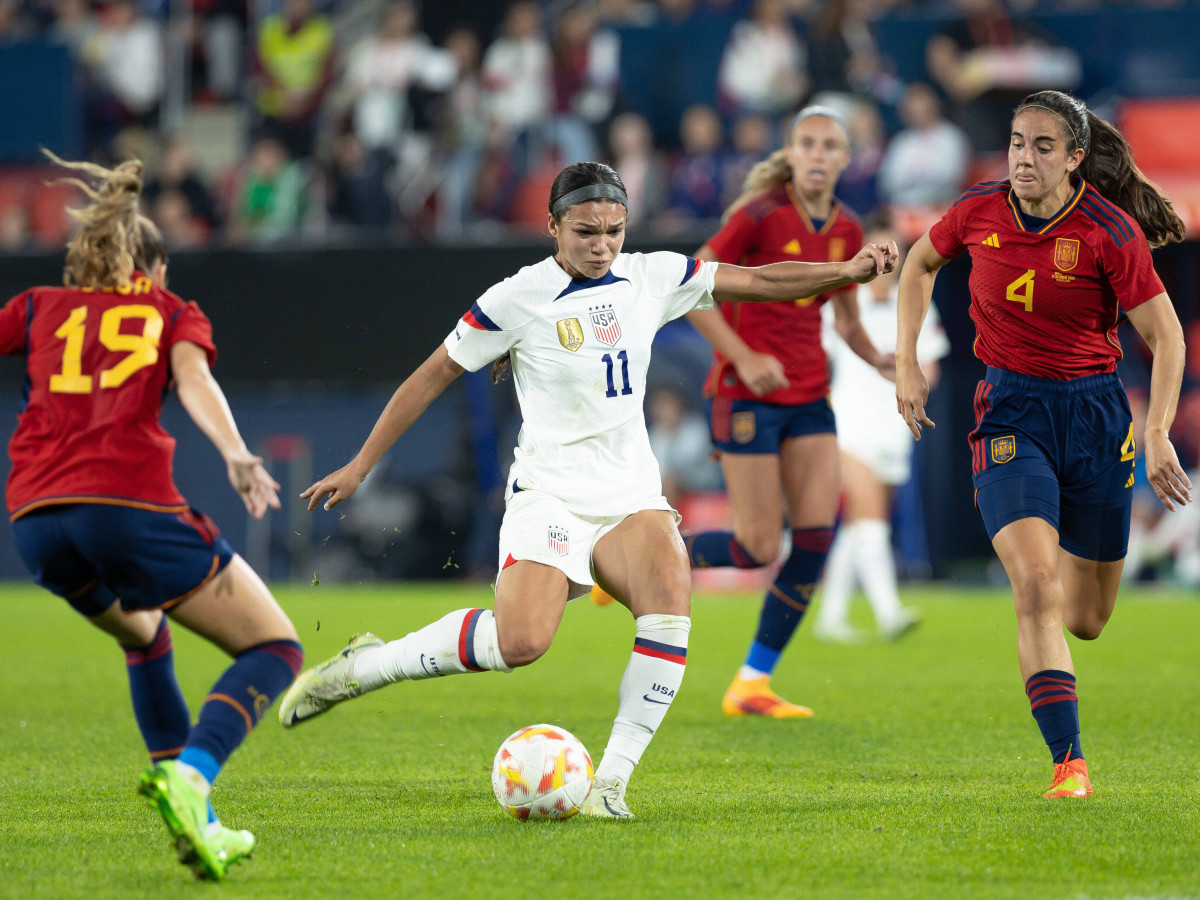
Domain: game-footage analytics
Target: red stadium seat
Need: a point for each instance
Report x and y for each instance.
(530, 201)
(1164, 134)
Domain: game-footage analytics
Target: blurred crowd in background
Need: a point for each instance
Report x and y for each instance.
(262, 121)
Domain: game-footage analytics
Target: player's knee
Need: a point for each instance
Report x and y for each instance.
(524, 647)
(762, 544)
(1086, 626)
(1037, 590)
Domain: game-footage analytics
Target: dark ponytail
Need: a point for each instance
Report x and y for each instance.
(572, 178)
(1108, 166)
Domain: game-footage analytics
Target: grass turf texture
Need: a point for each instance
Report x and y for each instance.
(920, 776)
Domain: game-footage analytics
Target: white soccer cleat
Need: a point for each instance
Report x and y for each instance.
(839, 633)
(606, 800)
(317, 689)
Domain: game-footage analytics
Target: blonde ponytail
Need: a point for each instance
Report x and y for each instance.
(765, 176)
(105, 251)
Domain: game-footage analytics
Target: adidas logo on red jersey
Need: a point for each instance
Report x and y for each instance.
(992, 241)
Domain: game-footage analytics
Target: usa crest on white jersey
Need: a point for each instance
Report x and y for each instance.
(604, 324)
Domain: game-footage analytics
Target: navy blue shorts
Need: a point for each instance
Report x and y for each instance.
(751, 426)
(1057, 450)
(92, 554)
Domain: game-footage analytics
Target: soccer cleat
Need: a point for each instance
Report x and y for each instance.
(330, 682)
(907, 621)
(1070, 780)
(184, 809)
(754, 697)
(839, 633)
(233, 845)
(606, 800)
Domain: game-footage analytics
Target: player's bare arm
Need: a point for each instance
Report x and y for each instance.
(789, 280)
(1156, 322)
(848, 323)
(916, 290)
(411, 399)
(762, 373)
(205, 403)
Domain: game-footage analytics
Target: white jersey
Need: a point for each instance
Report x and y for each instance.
(864, 402)
(580, 350)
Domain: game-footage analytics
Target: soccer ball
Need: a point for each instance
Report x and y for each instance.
(541, 772)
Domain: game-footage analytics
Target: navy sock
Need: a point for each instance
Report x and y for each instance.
(788, 598)
(238, 700)
(711, 549)
(1055, 707)
(158, 704)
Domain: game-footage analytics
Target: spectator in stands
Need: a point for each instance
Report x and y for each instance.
(15, 25)
(462, 135)
(762, 70)
(269, 196)
(16, 235)
(384, 68)
(925, 164)
(696, 190)
(753, 139)
(73, 27)
(642, 167)
(680, 440)
(126, 57)
(986, 61)
(845, 55)
(586, 71)
(859, 184)
(218, 36)
(180, 227)
(177, 172)
(626, 13)
(293, 70)
(360, 197)
(517, 86)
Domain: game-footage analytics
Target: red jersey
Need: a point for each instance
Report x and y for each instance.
(1045, 298)
(776, 228)
(96, 371)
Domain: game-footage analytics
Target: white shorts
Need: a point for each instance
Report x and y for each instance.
(886, 453)
(542, 529)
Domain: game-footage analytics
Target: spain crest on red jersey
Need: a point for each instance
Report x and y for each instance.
(1066, 253)
(605, 324)
(742, 427)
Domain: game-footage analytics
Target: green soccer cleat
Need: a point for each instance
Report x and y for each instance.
(184, 809)
(330, 682)
(606, 800)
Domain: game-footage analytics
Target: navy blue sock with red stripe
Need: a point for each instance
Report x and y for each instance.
(238, 701)
(713, 549)
(787, 599)
(1055, 707)
(158, 705)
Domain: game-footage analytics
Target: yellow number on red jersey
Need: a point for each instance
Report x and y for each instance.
(1024, 297)
(141, 349)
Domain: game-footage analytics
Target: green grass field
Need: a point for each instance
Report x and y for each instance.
(920, 775)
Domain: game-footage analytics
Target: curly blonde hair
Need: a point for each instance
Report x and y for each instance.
(108, 245)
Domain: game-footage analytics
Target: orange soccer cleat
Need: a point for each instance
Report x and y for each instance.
(1070, 780)
(754, 697)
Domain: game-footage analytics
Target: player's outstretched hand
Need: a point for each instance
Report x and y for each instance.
(912, 390)
(1167, 477)
(339, 485)
(253, 483)
(873, 260)
(761, 372)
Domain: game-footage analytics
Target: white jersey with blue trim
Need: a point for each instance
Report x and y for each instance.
(580, 350)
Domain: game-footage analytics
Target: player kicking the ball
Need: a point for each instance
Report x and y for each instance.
(584, 500)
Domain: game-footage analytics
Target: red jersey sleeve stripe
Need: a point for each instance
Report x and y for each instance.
(1115, 213)
(476, 318)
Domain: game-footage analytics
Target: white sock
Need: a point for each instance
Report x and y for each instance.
(650, 683)
(464, 641)
(837, 583)
(876, 568)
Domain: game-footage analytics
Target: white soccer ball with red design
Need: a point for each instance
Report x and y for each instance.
(542, 772)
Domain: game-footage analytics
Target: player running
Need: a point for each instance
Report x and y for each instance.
(98, 520)
(584, 497)
(769, 387)
(1059, 253)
